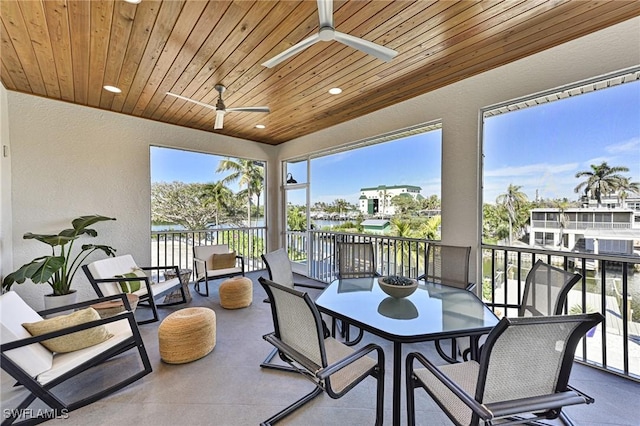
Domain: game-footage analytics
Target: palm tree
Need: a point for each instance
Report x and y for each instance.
(512, 200)
(625, 187)
(601, 180)
(562, 206)
(402, 229)
(248, 173)
(218, 196)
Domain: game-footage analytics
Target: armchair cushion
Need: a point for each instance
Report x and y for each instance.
(34, 358)
(74, 341)
(222, 260)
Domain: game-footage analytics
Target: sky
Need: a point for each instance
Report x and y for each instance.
(551, 143)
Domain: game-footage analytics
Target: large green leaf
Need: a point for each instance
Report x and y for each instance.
(40, 270)
(108, 250)
(82, 222)
(52, 240)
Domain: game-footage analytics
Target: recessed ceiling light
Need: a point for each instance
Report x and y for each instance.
(112, 89)
(335, 90)
(260, 126)
(133, 1)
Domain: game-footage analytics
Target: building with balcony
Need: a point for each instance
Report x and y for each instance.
(377, 200)
(587, 230)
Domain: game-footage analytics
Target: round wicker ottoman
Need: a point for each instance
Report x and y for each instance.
(236, 293)
(187, 335)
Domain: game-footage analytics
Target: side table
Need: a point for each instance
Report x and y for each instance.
(185, 277)
(109, 309)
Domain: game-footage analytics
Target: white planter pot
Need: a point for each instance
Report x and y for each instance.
(51, 301)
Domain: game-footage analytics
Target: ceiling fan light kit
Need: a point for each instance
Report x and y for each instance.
(327, 32)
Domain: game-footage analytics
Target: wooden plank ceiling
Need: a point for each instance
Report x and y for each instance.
(67, 50)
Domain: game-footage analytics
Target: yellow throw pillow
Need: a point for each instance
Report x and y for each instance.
(222, 261)
(74, 341)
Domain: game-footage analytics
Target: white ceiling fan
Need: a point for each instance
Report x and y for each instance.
(328, 33)
(220, 108)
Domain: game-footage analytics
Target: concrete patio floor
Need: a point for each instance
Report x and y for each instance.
(228, 387)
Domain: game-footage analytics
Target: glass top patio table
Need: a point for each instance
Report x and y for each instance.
(432, 312)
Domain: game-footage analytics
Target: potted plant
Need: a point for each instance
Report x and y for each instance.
(59, 268)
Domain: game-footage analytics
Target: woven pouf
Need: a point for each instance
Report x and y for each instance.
(187, 335)
(236, 293)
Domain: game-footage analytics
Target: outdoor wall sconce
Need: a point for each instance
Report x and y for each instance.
(290, 179)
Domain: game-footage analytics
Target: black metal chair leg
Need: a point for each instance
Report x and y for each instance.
(293, 407)
(268, 364)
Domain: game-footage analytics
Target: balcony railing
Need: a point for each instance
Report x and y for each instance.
(610, 284)
(176, 247)
(573, 225)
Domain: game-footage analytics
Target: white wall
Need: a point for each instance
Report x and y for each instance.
(458, 106)
(68, 161)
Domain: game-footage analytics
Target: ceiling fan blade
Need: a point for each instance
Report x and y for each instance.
(325, 13)
(296, 48)
(366, 46)
(219, 120)
(191, 100)
(249, 109)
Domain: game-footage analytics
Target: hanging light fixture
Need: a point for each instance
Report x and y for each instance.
(290, 179)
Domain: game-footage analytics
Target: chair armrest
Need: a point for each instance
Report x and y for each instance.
(536, 403)
(315, 286)
(241, 262)
(146, 280)
(480, 409)
(68, 330)
(337, 366)
(175, 268)
(203, 263)
(291, 353)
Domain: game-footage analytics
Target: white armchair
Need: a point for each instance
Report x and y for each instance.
(121, 274)
(214, 262)
(27, 357)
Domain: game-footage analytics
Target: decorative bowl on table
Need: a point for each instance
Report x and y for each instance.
(397, 286)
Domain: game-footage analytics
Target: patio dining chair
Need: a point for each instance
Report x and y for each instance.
(68, 361)
(522, 375)
(545, 293)
(279, 270)
(332, 366)
(355, 260)
(449, 266)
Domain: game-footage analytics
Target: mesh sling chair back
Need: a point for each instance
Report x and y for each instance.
(545, 293)
(332, 366)
(355, 260)
(84, 369)
(279, 270)
(213, 262)
(120, 274)
(523, 373)
(448, 265)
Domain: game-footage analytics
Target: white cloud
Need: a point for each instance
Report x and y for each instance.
(632, 145)
(531, 170)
